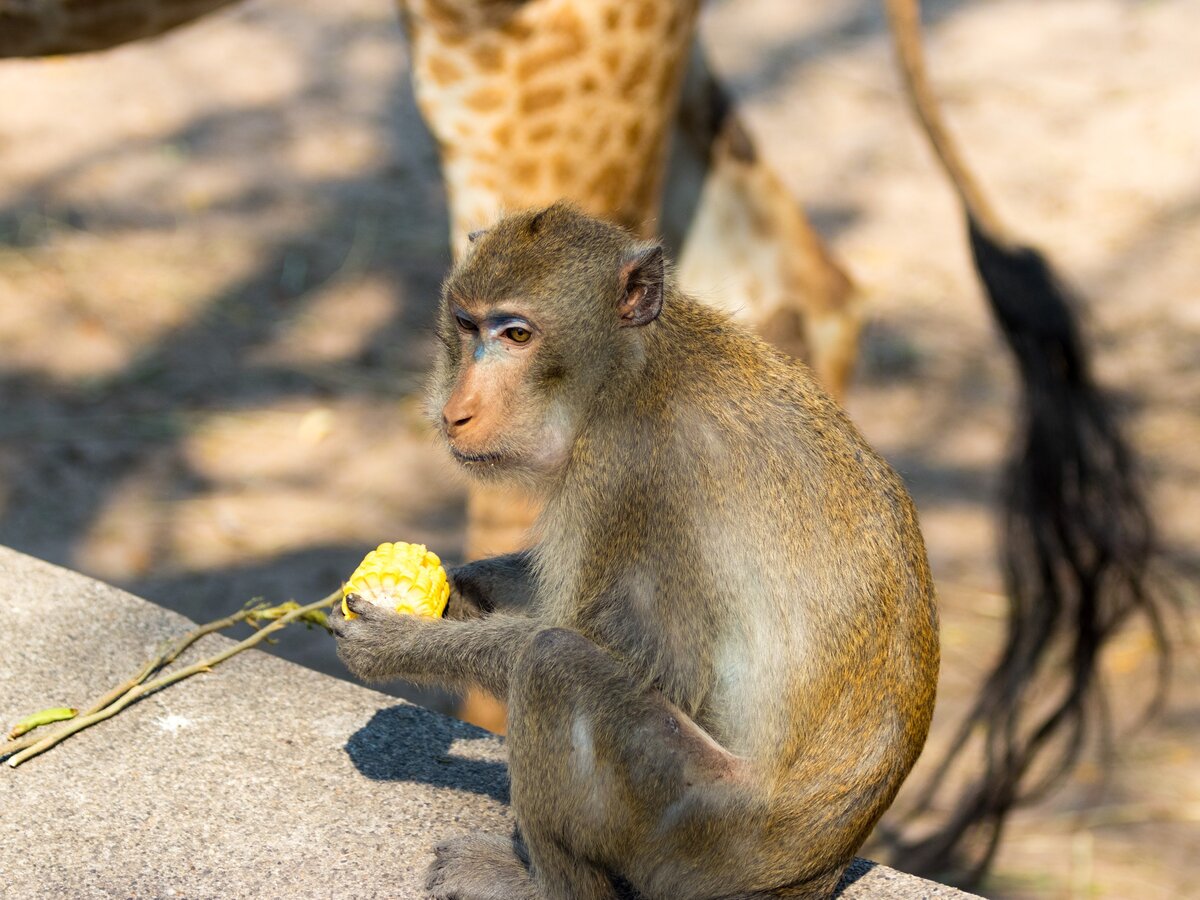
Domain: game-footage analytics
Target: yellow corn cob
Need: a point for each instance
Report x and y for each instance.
(405, 577)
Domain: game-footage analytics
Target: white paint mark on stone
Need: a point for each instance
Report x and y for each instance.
(172, 723)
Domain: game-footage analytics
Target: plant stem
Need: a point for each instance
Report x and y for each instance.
(165, 658)
(134, 689)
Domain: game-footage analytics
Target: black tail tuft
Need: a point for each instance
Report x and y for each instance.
(1078, 557)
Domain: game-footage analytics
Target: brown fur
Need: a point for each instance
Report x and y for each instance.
(730, 654)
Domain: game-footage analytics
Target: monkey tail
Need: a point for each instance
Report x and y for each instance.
(1078, 546)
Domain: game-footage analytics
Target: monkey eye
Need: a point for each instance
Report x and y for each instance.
(517, 334)
(465, 324)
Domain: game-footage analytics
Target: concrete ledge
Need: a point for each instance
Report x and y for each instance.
(263, 779)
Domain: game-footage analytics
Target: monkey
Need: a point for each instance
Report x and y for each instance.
(1079, 548)
(720, 655)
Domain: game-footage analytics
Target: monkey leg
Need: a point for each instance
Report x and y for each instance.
(594, 763)
(609, 780)
(480, 867)
(498, 584)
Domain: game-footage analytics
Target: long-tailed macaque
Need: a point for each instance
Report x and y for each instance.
(720, 656)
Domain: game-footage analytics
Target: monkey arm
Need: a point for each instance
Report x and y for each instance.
(501, 583)
(381, 645)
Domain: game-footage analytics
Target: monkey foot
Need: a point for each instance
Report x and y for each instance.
(478, 867)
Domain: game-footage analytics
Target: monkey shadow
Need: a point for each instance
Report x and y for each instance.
(408, 743)
(855, 871)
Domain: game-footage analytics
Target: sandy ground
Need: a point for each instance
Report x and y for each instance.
(219, 252)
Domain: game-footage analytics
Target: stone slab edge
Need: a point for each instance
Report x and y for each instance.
(261, 779)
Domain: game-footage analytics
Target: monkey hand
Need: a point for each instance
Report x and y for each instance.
(401, 576)
(485, 586)
(469, 597)
(374, 643)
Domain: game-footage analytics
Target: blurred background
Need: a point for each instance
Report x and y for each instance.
(220, 251)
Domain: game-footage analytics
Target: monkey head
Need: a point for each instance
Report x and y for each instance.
(540, 320)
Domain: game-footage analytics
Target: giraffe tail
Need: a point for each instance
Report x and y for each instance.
(1078, 545)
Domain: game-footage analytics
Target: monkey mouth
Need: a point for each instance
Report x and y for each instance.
(475, 459)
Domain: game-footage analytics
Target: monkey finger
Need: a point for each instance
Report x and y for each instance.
(367, 612)
(339, 623)
(357, 605)
(363, 609)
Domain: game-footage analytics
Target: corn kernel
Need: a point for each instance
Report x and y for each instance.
(405, 577)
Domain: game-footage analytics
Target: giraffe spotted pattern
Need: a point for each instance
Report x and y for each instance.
(535, 101)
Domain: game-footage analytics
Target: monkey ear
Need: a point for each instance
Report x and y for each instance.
(642, 287)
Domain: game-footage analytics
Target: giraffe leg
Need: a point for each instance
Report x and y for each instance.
(749, 247)
(498, 522)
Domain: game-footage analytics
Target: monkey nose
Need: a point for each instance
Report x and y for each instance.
(455, 420)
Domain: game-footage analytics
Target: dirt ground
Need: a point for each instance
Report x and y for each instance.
(219, 252)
